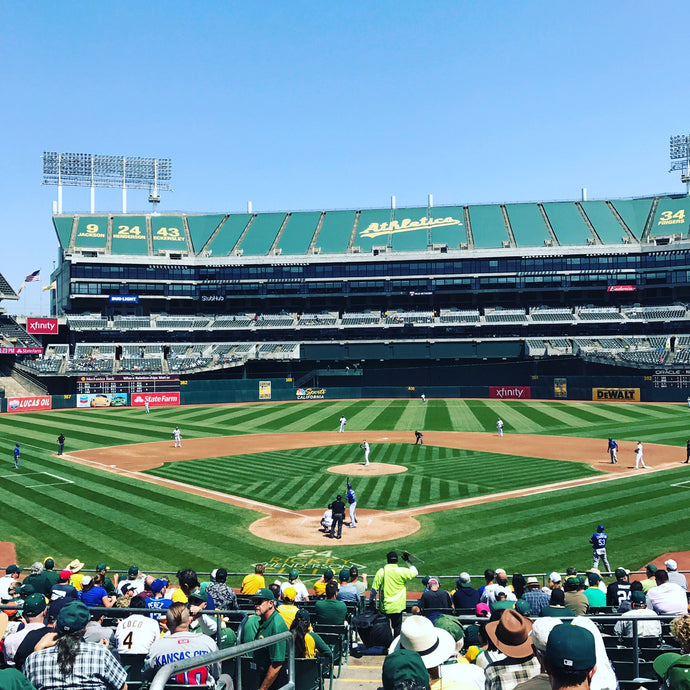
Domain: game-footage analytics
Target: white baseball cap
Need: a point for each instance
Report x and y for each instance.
(671, 564)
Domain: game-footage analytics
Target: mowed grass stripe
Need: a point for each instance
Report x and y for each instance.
(462, 418)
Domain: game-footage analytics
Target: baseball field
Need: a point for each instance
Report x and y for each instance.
(251, 480)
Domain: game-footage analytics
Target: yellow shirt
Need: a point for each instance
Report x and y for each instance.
(288, 612)
(76, 579)
(252, 583)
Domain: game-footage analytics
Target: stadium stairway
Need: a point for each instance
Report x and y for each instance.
(360, 674)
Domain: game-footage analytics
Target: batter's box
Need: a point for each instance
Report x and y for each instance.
(682, 485)
(35, 480)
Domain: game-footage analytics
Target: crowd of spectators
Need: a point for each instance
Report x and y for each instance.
(60, 627)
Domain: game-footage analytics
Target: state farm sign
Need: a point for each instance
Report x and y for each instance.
(140, 399)
(39, 325)
(510, 392)
(29, 404)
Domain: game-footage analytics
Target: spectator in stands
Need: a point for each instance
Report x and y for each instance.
(136, 633)
(619, 590)
(330, 611)
(557, 605)
(135, 580)
(346, 591)
(674, 576)
(188, 581)
(287, 608)
(93, 594)
(390, 586)
(541, 628)
(650, 580)
(49, 572)
(108, 585)
(434, 645)
(181, 643)
(11, 576)
(680, 629)
(433, 599)
(533, 595)
(501, 601)
(667, 599)
(159, 601)
(595, 597)
(360, 585)
(604, 675)
(404, 668)
(320, 584)
(465, 596)
(307, 642)
(38, 580)
(270, 661)
(648, 624)
(500, 580)
(97, 632)
(510, 634)
(575, 598)
(302, 594)
(75, 567)
(489, 576)
(518, 583)
(220, 596)
(253, 582)
(72, 662)
(555, 581)
(570, 657)
(33, 615)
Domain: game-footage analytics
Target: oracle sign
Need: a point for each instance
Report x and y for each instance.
(140, 399)
(29, 404)
(38, 325)
(510, 392)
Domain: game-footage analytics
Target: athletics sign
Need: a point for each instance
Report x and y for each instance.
(616, 394)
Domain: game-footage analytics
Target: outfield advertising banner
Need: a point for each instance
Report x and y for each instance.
(36, 325)
(155, 399)
(44, 402)
(624, 394)
(102, 400)
(311, 393)
(510, 392)
(264, 390)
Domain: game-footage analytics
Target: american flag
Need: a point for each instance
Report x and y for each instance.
(33, 277)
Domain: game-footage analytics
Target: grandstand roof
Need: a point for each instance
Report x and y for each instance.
(604, 224)
(6, 291)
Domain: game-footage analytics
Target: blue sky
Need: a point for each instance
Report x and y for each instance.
(315, 105)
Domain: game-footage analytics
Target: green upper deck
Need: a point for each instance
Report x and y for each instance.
(412, 230)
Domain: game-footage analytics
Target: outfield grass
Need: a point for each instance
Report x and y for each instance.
(122, 521)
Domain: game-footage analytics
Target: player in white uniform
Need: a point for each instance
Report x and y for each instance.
(343, 421)
(365, 446)
(499, 426)
(178, 437)
(146, 405)
(423, 397)
(639, 459)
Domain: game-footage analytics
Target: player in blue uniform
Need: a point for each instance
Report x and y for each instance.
(16, 457)
(352, 500)
(613, 451)
(598, 541)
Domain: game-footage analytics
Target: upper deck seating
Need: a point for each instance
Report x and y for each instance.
(568, 224)
(529, 228)
(131, 323)
(551, 315)
(409, 317)
(599, 314)
(88, 323)
(460, 316)
(274, 321)
(239, 321)
(506, 316)
(317, 320)
(366, 319)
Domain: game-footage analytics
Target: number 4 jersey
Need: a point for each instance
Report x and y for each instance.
(136, 634)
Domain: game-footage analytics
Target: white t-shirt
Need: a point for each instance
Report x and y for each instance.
(136, 634)
(300, 589)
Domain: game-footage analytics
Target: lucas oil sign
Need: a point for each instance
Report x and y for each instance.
(616, 394)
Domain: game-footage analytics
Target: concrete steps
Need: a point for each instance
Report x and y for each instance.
(364, 673)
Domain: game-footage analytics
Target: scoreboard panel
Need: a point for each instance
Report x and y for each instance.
(151, 383)
(671, 378)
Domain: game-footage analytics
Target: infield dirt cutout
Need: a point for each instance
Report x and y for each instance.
(302, 527)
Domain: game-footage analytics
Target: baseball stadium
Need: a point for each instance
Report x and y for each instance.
(255, 333)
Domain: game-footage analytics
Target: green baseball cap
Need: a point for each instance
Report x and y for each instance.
(327, 574)
(34, 605)
(677, 674)
(663, 662)
(344, 574)
(72, 617)
(293, 574)
(571, 648)
(403, 664)
(264, 594)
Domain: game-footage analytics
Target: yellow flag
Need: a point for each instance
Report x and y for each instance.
(52, 286)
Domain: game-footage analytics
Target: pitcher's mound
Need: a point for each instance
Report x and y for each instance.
(373, 469)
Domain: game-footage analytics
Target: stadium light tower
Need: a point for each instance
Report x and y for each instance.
(94, 170)
(679, 152)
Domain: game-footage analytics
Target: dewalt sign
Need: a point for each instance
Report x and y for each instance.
(616, 394)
